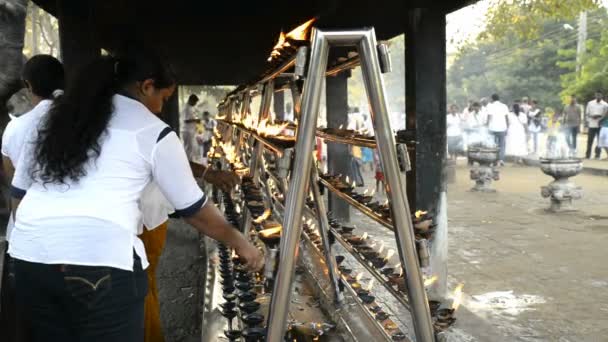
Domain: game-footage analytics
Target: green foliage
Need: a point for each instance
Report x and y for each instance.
(525, 18)
(593, 75)
(535, 56)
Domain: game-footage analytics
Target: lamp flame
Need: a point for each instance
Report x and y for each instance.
(419, 213)
(301, 32)
(364, 236)
(457, 296)
(365, 192)
(370, 285)
(400, 271)
(430, 281)
(359, 276)
(263, 217)
(389, 254)
(270, 231)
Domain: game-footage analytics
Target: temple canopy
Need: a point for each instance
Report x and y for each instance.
(226, 42)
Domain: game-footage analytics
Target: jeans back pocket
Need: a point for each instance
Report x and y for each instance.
(88, 285)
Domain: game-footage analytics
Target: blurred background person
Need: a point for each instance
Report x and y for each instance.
(595, 111)
(572, 122)
(534, 127)
(516, 134)
(454, 132)
(188, 128)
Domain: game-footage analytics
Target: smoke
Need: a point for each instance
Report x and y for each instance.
(481, 137)
(557, 147)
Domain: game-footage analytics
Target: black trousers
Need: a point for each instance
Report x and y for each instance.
(72, 303)
(591, 135)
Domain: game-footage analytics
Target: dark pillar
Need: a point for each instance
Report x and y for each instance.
(338, 156)
(278, 105)
(79, 44)
(426, 103)
(170, 113)
(426, 114)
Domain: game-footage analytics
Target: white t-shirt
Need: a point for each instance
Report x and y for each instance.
(497, 113)
(154, 206)
(95, 221)
(454, 123)
(595, 109)
(14, 137)
(188, 114)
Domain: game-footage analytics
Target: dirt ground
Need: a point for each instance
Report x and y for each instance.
(533, 275)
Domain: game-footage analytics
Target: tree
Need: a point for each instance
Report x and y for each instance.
(594, 70)
(525, 18)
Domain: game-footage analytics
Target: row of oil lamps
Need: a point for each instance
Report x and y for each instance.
(238, 290)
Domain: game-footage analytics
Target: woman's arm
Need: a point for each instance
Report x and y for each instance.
(209, 221)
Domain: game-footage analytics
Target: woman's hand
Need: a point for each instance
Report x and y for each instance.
(225, 180)
(250, 256)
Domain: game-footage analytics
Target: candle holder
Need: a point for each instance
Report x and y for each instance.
(398, 336)
(252, 319)
(254, 334)
(247, 296)
(232, 335)
(249, 307)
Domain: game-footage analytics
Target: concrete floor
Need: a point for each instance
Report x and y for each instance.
(180, 282)
(532, 275)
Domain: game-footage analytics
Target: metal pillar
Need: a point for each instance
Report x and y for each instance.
(365, 41)
(338, 155)
(78, 43)
(426, 105)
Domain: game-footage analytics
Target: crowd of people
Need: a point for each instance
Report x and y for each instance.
(94, 175)
(517, 130)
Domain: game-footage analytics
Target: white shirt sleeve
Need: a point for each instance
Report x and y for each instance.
(22, 179)
(7, 139)
(171, 171)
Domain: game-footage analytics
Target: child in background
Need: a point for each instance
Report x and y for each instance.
(553, 129)
(379, 173)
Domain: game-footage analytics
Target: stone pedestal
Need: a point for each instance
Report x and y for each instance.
(483, 171)
(483, 175)
(562, 191)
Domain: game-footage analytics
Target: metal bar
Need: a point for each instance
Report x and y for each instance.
(362, 208)
(348, 64)
(354, 318)
(324, 230)
(292, 227)
(395, 186)
(278, 150)
(369, 142)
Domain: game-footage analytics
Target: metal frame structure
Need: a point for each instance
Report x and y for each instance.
(366, 44)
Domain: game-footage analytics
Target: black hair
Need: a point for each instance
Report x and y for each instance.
(192, 100)
(475, 104)
(495, 97)
(516, 108)
(44, 74)
(70, 135)
(206, 113)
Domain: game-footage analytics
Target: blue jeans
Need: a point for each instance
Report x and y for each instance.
(71, 303)
(500, 143)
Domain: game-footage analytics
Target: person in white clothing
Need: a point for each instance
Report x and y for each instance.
(516, 134)
(188, 128)
(498, 124)
(595, 111)
(454, 132)
(43, 76)
(76, 192)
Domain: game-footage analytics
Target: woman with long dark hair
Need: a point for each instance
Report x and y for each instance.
(79, 264)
